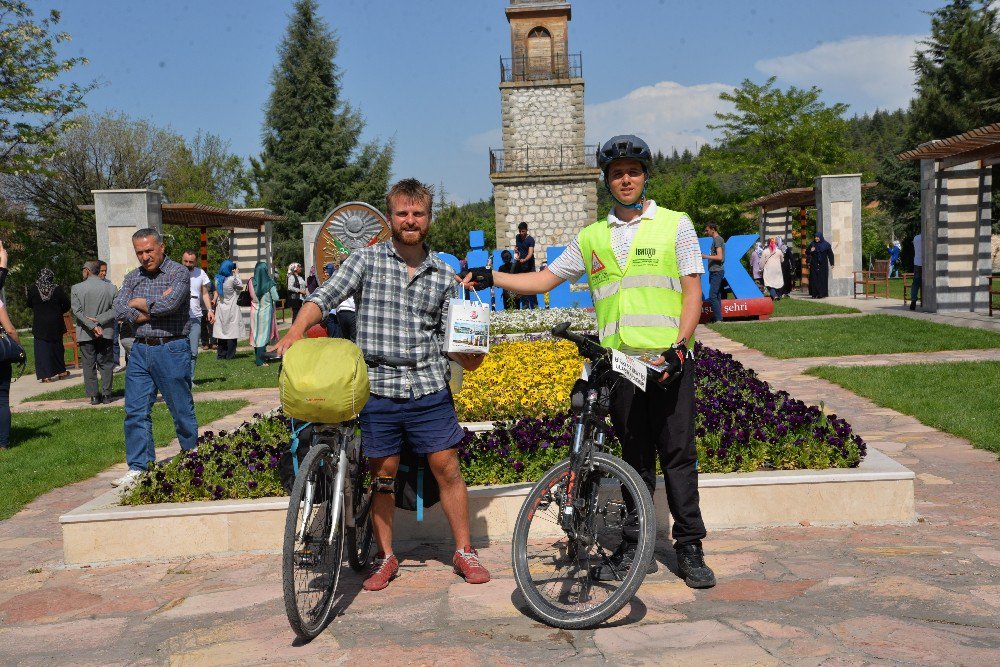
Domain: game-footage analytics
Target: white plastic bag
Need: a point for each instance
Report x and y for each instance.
(468, 325)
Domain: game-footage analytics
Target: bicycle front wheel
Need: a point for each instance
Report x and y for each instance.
(314, 544)
(563, 574)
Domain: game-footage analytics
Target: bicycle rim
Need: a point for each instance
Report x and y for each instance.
(556, 572)
(361, 538)
(311, 560)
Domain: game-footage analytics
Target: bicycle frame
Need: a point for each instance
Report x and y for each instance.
(341, 490)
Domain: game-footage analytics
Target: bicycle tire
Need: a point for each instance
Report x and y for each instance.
(311, 569)
(528, 567)
(360, 539)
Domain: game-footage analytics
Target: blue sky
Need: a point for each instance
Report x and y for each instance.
(425, 74)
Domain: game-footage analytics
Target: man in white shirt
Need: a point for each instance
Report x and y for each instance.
(647, 298)
(199, 296)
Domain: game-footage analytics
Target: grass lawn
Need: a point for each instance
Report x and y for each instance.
(211, 374)
(54, 448)
(961, 398)
(801, 307)
(869, 334)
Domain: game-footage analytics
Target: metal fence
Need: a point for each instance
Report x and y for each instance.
(541, 158)
(558, 66)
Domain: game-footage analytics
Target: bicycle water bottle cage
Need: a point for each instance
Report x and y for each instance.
(385, 485)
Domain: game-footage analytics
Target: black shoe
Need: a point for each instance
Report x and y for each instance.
(620, 563)
(95, 400)
(109, 399)
(913, 305)
(691, 565)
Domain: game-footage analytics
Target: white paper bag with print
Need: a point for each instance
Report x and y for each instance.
(468, 326)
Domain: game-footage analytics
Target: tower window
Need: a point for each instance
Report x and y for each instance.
(539, 32)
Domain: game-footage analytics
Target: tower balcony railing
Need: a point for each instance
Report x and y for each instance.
(557, 66)
(543, 158)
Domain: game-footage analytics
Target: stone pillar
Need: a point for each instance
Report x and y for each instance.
(838, 218)
(249, 246)
(119, 214)
(776, 223)
(930, 194)
(309, 232)
(958, 276)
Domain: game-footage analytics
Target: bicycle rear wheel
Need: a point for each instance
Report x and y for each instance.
(361, 538)
(314, 544)
(557, 570)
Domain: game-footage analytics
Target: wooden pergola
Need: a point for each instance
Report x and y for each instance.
(981, 144)
(204, 217)
(802, 199)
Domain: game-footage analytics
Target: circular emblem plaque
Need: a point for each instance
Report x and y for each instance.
(347, 228)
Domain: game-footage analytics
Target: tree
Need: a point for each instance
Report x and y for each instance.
(779, 139)
(958, 81)
(312, 158)
(34, 111)
(451, 226)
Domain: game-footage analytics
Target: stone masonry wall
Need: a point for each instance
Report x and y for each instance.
(549, 115)
(555, 211)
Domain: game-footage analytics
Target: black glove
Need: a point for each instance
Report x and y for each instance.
(674, 365)
(481, 277)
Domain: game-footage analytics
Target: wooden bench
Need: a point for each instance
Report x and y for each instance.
(874, 283)
(70, 342)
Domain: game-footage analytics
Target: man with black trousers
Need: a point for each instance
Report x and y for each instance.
(643, 266)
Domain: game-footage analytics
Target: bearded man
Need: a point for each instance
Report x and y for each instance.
(401, 292)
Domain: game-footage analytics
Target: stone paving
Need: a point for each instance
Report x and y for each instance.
(926, 593)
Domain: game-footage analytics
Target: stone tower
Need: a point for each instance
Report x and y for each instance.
(544, 175)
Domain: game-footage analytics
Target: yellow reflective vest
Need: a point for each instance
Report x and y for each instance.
(638, 307)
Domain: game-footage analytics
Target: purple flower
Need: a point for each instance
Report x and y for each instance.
(252, 484)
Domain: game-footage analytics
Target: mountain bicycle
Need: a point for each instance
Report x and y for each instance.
(329, 511)
(577, 515)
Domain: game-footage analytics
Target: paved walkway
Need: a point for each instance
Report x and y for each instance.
(926, 593)
(979, 320)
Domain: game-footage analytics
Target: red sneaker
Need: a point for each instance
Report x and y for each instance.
(467, 564)
(384, 569)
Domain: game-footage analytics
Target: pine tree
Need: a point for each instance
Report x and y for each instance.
(312, 158)
(958, 83)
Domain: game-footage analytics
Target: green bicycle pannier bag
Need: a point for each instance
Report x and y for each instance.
(323, 380)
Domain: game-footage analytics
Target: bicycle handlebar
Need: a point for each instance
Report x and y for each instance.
(587, 347)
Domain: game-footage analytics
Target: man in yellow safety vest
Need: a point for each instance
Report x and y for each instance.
(643, 266)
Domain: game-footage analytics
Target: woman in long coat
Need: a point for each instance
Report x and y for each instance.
(770, 263)
(228, 315)
(755, 266)
(263, 328)
(48, 302)
(820, 257)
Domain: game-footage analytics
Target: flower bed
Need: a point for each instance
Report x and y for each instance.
(540, 320)
(741, 425)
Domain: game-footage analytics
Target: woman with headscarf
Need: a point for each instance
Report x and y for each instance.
(263, 328)
(787, 268)
(820, 257)
(296, 288)
(770, 263)
(755, 265)
(312, 282)
(48, 302)
(228, 314)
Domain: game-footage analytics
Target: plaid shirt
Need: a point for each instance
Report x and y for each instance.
(169, 314)
(397, 315)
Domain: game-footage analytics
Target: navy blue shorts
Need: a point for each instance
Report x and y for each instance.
(427, 424)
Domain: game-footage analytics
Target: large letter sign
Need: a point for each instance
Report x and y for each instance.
(748, 302)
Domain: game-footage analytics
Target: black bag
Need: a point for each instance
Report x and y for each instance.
(291, 458)
(243, 300)
(11, 351)
(416, 486)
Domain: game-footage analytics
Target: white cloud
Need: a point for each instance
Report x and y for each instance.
(667, 115)
(481, 143)
(865, 72)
